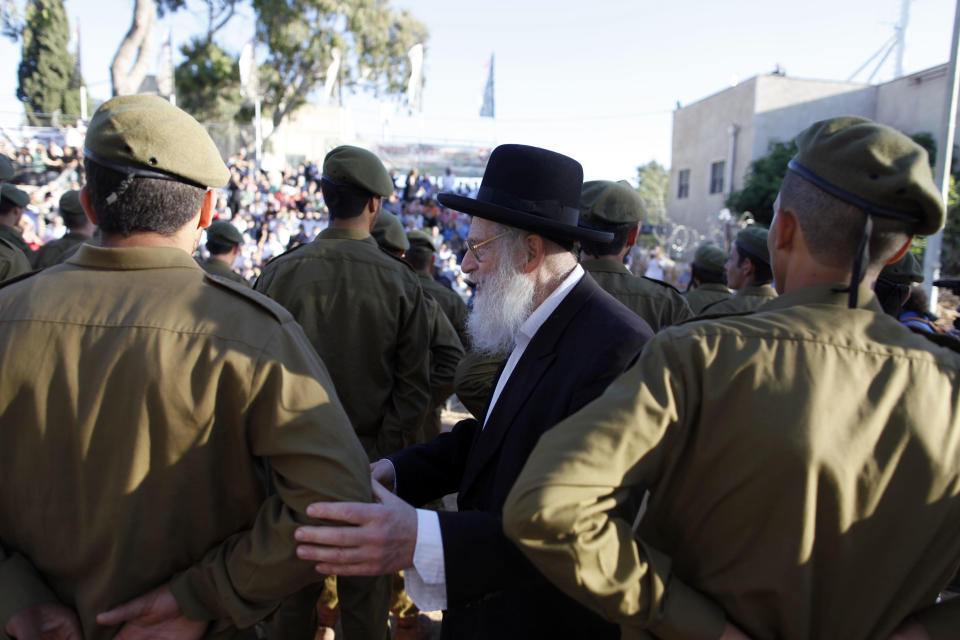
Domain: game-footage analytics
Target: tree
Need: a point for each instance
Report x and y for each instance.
(208, 82)
(763, 182)
(46, 66)
(653, 179)
(300, 36)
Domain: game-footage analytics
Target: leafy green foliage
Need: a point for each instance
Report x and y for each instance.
(301, 35)
(653, 179)
(208, 82)
(763, 183)
(46, 67)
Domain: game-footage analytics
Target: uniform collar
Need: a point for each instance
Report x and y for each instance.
(607, 265)
(825, 294)
(712, 286)
(344, 233)
(128, 258)
(762, 291)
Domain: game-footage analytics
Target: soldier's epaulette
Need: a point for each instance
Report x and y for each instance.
(661, 283)
(287, 252)
(262, 301)
(714, 316)
(402, 261)
(22, 276)
(940, 339)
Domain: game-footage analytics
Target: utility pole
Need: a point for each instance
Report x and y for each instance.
(901, 32)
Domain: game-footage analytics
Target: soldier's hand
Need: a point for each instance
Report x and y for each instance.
(383, 472)
(44, 621)
(381, 541)
(910, 630)
(731, 632)
(155, 614)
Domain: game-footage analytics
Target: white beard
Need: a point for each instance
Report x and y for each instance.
(503, 302)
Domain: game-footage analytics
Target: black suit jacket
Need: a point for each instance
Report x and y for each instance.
(492, 590)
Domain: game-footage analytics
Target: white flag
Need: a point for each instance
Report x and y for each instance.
(414, 97)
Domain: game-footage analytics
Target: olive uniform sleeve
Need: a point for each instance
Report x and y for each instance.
(296, 425)
(560, 511)
(446, 352)
(20, 587)
(12, 262)
(474, 380)
(411, 382)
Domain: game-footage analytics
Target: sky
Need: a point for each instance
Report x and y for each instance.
(595, 80)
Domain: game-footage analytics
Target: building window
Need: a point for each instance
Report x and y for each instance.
(683, 184)
(716, 176)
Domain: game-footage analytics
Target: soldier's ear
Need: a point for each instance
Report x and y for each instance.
(783, 230)
(86, 203)
(206, 210)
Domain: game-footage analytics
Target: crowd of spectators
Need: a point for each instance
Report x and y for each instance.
(274, 210)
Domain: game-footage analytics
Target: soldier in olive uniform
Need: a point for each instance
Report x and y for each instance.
(13, 201)
(80, 230)
(748, 272)
(420, 256)
(223, 243)
(617, 208)
(364, 313)
(803, 460)
(708, 277)
(12, 260)
(446, 350)
(893, 284)
(157, 426)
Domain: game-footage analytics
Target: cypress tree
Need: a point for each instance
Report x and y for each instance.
(46, 65)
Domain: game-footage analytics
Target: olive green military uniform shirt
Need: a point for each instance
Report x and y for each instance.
(12, 261)
(56, 251)
(804, 472)
(220, 268)
(656, 302)
(450, 302)
(446, 352)
(363, 312)
(474, 380)
(14, 237)
(707, 293)
(745, 299)
(142, 405)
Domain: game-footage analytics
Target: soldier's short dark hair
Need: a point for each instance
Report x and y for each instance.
(6, 206)
(761, 270)
(219, 248)
(705, 276)
(343, 200)
(620, 233)
(419, 258)
(832, 228)
(126, 204)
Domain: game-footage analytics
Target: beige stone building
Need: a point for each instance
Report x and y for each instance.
(716, 138)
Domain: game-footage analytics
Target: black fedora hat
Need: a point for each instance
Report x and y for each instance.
(532, 189)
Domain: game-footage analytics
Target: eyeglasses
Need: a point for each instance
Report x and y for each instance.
(475, 246)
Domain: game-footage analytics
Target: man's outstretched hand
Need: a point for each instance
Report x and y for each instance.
(377, 538)
(155, 614)
(44, 621)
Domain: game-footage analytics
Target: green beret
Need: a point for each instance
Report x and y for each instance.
(388, 231)
(359, 167)
(6, 168)
(70, 202)
(420, 240)
(147, 136)
(14, 195)
(711, 258)
(612, 202)
(222, 232)
(753, 240)
(873, 167)
(906, 270)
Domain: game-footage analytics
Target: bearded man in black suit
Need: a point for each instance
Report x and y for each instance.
(567, 340)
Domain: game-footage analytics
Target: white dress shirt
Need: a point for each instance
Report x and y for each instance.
(426, 581)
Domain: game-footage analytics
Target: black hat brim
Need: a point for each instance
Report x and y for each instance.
(522, 220)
